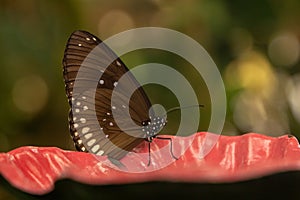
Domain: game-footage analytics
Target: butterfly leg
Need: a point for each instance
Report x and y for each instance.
(171, 145)
(149, 152)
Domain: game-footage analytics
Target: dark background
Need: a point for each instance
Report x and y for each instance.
(255, 45)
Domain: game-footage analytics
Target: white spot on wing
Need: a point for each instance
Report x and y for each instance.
(89, 135)
(77, 110)
(91, 142)
(115, 84)
(118, 63)
(111, 124)
(85, 107)
(83, 120)
(101, 82)
(79, 45)
(100, 153)
(85, 130)
(75, 125)
(95, 148)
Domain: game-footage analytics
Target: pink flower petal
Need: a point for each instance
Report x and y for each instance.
(233, 158)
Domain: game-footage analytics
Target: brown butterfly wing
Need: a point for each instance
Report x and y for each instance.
(85, 54)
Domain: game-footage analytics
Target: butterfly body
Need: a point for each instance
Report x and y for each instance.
(151, 128)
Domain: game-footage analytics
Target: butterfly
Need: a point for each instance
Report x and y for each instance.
(99, 66)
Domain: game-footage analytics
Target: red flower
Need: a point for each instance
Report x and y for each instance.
(233, 158)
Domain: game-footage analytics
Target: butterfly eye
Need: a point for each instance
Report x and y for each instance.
(146, 122)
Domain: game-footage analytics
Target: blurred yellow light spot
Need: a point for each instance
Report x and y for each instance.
(251, 71)
(284, 49)
(115, 21)
(260, 106)
(30, 94)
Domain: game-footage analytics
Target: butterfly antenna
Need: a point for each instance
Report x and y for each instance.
(184, 107)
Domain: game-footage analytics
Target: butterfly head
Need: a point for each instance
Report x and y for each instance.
(152, 127)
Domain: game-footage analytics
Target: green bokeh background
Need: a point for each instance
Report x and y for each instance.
(255, 45)
(238, 36)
